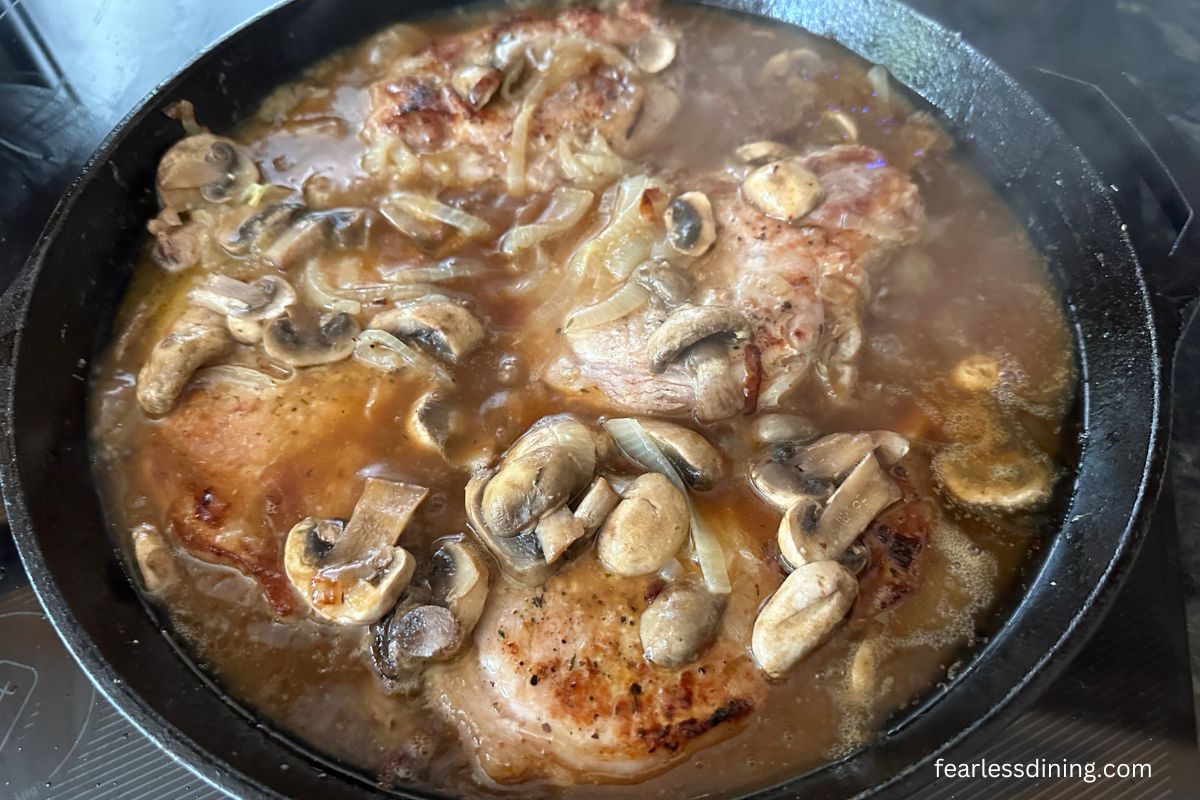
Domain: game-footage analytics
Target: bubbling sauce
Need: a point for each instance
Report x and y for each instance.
(964, 352)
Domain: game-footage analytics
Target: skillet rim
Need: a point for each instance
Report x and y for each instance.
(177, 744)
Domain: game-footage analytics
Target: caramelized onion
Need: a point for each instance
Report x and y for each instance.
(382, 351)
(426, 208)
(626, 300)
(567, 206)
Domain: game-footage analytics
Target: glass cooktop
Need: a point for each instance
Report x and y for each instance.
(70, 69)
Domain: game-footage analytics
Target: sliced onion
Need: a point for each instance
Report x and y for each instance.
(626, 300)
(514, 176)
(322, 295)
(351, 297)
(427, 208)
(246, 377)
(595, 166)
(382, 351)
(628, 237)
(449, 269)
(567, 206)
(637, 446)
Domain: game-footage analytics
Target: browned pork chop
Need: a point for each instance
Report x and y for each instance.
(236, 467)
(800, 285)
(426, 100)
(557, 683)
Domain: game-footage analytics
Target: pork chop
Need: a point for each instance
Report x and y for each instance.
(235, 467)
(801, 286)
(557, 683)
(577, 79)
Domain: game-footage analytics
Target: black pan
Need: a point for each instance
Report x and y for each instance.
(1126, 304)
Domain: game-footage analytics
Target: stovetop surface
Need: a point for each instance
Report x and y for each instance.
(68, 73)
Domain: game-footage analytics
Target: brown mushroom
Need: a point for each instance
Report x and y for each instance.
(204, 169)
(446, 328)
(197, 338)
(688, 325)
(302, 338)
(353, 574)
(646, 528)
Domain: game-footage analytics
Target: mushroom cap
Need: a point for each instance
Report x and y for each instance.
(784, 190)
(646, 528)
(459, 580)
(519, 557)
(688, 325)
(301, 338)
(680, 623)
(781, 428)
(204, 169)
(445, 327)
(761, 152)
(197, 338)
(1009, 480)
(354, 574)
(653, 53)
(786, 473)
(865, 492)
(718, 381)
(542, 470)
(426, 632)
(658, 275)
(801, 615)
(265, 297)
(690, 226)
(693, 456)
(434, 419)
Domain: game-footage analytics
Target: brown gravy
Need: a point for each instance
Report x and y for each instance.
(974, 286)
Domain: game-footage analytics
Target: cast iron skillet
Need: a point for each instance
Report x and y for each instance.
(1126, 312)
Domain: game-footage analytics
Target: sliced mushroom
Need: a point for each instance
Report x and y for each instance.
(302, 338)
(542, 470)
(646, 528)
(154, 559)
(781, 428)
(658, 108)
(354, 574)
(244, 331)
(801, 615)
(520, 556)
(204, 169)
(476, 84)
(1005, 481)
(426, 632)
(718, 381)
(788, 473)
(653, 53)
(680, 623)
(197, 338)
(759, 153)
(688, 325)
(443, 326)
(596, 504)
(556, 532)
(696, 460)
(261, 226)
(459, 581)
(434, 418)
(783, 190)
(671, 285)
(976, 373)
(788, 65)
(690, 226)
(303, 238)
(262, 298)
(805, 536)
